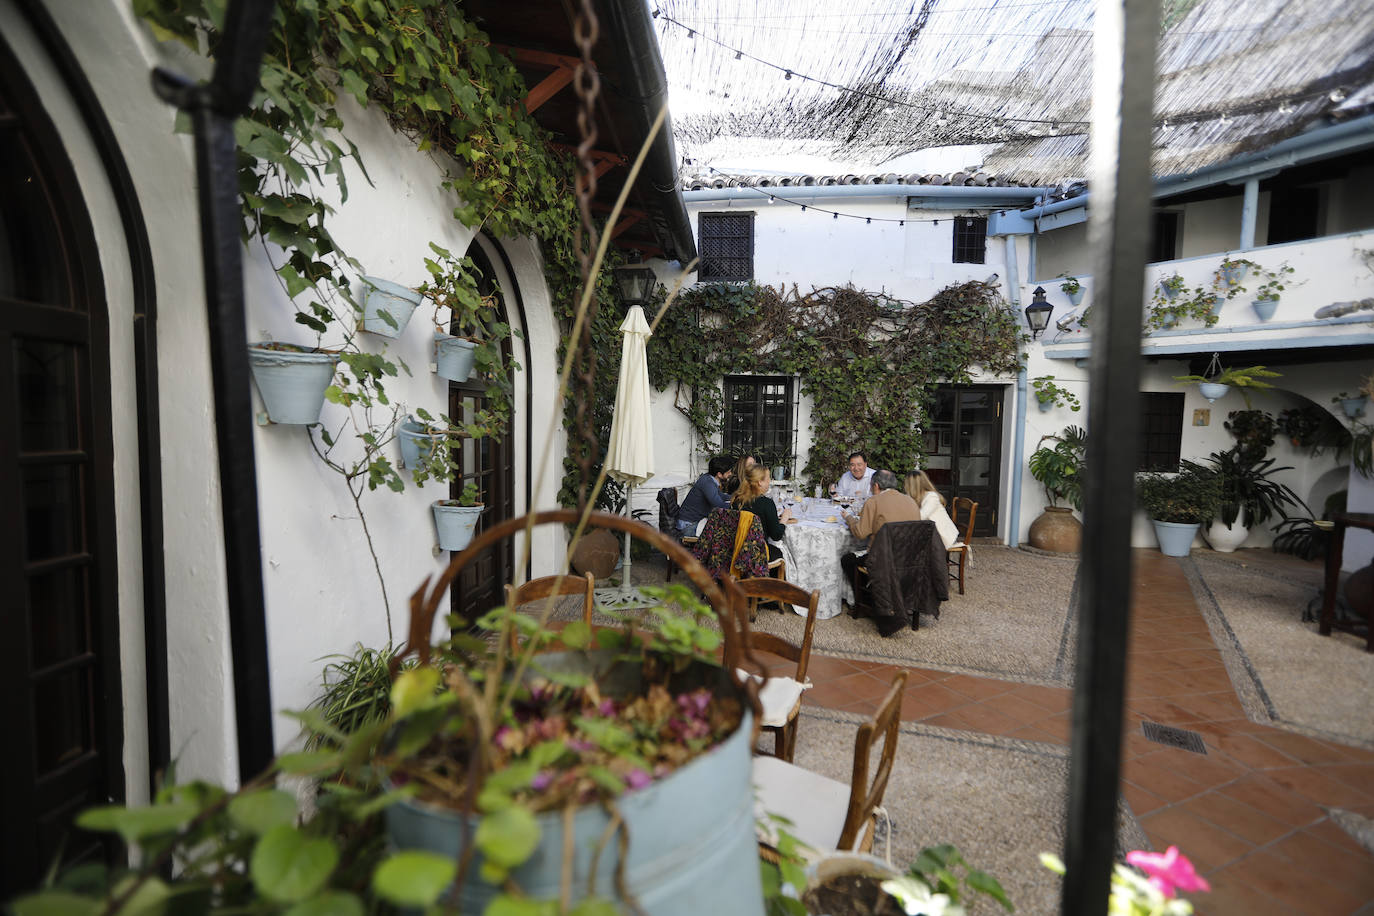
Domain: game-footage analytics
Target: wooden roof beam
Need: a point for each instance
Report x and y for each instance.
(605, 161)
(562, 69)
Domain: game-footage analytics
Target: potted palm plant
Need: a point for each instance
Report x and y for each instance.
(1059, 469)
(1215, 386)
(1177, 505)
(1246, 496)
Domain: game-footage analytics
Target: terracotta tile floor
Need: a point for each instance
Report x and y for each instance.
(1249, 813)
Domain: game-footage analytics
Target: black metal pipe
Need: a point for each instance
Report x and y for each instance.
(1118, 227)
(213, 109)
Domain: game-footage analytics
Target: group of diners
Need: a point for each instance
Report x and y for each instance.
(744, 484)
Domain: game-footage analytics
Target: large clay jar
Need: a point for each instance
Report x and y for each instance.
(1057, 531)
(596, 553)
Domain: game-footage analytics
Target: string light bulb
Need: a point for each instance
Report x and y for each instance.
(787, 75)
(739, 55)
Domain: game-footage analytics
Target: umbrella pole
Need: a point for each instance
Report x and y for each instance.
(629, 514)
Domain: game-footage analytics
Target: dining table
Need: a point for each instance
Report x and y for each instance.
(812, 549)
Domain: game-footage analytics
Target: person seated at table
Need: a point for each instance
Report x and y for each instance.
(745, 463)
(932, 505)
(857, 481)
(707, 493)
(887, 504)
(752, 496)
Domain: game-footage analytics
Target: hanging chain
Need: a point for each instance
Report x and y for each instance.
(1213, 368)
(587, 84)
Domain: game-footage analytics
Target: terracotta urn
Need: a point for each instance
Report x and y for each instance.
(1056, 531)
(596, 553)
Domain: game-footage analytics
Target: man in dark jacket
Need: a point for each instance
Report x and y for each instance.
(707, 493)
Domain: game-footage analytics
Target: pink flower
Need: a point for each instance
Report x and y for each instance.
(541, 780)
(1168, 872)
(638, 779)
(606, 707)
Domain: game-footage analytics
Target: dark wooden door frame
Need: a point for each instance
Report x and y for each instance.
(84, 323)
(987, 520)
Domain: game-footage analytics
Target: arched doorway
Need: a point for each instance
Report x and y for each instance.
(60, 687)
(490, 464)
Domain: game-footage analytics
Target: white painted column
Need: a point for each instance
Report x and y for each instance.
(1248, 211)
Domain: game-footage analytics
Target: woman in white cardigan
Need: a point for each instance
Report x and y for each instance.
(919, 488)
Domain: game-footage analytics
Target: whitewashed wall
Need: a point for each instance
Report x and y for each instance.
(322, 593)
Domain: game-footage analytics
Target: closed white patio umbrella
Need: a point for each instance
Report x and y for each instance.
(630, 456)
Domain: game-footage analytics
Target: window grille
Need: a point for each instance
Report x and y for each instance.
(758, 418)
(1161, 428)
(970, 239)
(725, 243)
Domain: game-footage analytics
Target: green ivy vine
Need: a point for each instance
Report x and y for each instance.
(440, 83)
(871, 363)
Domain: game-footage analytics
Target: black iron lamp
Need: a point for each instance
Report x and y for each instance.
(1038, 313)
(636, 284)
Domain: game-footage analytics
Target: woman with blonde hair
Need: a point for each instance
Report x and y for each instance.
(752, 497)
(919, 488)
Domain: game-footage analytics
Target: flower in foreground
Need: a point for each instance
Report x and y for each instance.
(1169, 872)
(917, 899)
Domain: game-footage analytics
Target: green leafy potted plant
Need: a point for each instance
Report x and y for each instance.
(1049, 395)
(1177, 505)
(1267, 294)
(1073, 289)
(938, 881)
(1247, 496)
(1059, 469)
(1170, 287)
(1167, 309)
(1254, 432)
(478, 335)
(456, 519)
(1232, 271)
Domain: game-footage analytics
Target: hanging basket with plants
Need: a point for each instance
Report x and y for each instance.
(1072, 288)
(580, 774)
(292, 380)
(1170, 287)
(1049, 395)
(387, 306)
(1216, 382)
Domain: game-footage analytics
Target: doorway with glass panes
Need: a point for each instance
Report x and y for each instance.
(963, 444)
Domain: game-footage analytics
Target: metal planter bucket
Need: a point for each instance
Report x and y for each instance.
(453, 357)
(1175, 539)
(397, 301)
(686, 857)
(455, 524)
(1265, 308)
(292, 383)
(1075, 297)
(416, 440)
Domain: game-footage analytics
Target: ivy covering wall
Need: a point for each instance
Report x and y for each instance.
(871, 363)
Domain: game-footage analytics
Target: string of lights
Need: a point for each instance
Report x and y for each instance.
(788, 73)
(834, 214)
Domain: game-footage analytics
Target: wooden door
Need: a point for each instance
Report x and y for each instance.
(59, 639)
(491, 465)
(964, 448)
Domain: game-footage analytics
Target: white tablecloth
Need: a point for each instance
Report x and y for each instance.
(813, 548)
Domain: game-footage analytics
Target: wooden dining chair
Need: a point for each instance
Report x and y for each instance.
(958, 556)
(780, 717)
(826, 814)
(552, 586)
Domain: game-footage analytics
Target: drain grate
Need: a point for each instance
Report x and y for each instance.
(1180, 738)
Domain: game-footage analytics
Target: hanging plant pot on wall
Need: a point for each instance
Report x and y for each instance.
(454, 523)
(1353, 407)
(1212, 390)
(417, 442)
(453, 357)
(1266, 307)
(387, 307)
(292, 380)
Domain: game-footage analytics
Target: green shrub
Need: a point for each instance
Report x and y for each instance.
(1185, 498)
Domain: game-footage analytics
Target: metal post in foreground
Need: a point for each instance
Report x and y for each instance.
(1119, 225)
(213, 108)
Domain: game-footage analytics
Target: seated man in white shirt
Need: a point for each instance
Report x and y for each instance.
(858, 481)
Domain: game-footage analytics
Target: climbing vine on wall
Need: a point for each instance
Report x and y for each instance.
(870, 362)
(439, 81)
